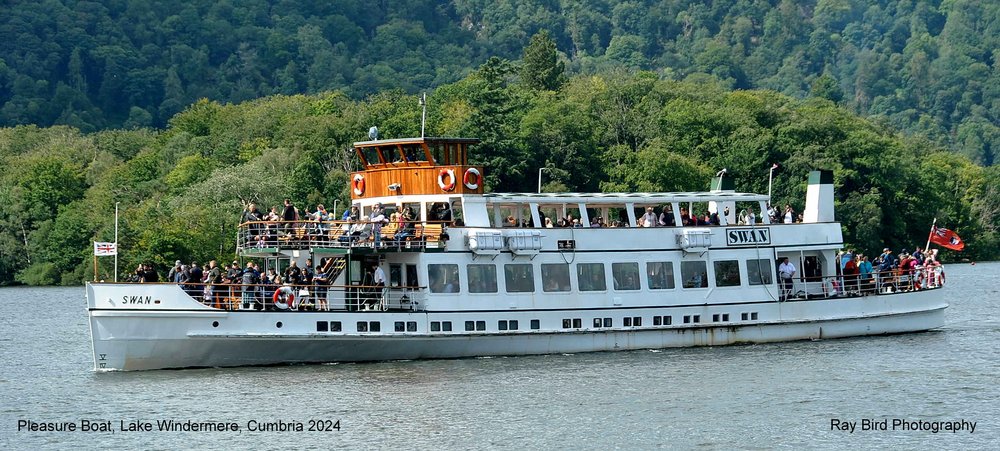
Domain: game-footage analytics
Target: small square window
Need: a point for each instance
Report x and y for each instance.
(480, 325)
(753, 316)
(725, 317)
(512, 324)
(411, 326)
(637, 321)
(535, 324)
(375, 326)
(362, 326)
(687, 319)
(744, 316)
(399, 326)
(597, 322)
(502, 325)
(567, 323)
(435, 326)
(322, 326)
(696, 318)
(668, 320)
(335, 326)
(657, 320)
(577, 323)
(715, 318)
(627, 322)
(446, 326)
(607, 322)
(470, 326)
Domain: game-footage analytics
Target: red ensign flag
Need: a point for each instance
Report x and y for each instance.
(946, 238)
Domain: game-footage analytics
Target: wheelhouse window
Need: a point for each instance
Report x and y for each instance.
(482, 278)
(555, 277)
(694, 274)
(759, 272)
(660, 275)
(625, 275)
(520, 278)
(590, 277)
(443, 278)
(727, 273)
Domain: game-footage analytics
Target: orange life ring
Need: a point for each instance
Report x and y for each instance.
(450, 173)
(472, 178)
(358, 184)
(283, 298)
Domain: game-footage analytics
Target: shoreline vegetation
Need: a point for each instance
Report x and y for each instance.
(181, 189)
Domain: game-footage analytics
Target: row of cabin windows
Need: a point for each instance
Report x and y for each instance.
(512, 324)
(556, 277)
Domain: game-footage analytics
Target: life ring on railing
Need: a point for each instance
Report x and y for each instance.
(472, 178)
(283, 298)
(358, 184)
(450, 173)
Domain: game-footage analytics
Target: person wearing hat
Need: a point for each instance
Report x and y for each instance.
(377, 219)
(173, 271)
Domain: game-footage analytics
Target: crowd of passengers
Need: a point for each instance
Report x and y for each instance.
(665, 218)
(221, 285)
(889, 272)
(264, 230)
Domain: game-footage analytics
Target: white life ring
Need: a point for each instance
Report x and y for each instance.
(472, 178)
(450, 173)
(358, 184)
(284, 298)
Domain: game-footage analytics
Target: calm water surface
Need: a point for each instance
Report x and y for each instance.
(758, 397)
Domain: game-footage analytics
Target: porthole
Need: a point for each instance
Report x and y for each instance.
(278, 324)
(215, 324)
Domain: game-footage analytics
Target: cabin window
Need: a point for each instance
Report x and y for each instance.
(482, 278)
(443, 278)
(626, 275)
(660, 275)
(727, 273)
(694, 274)
(520, 278)
(759, 271)
(370, 154)
(555, 277)
(590, 277)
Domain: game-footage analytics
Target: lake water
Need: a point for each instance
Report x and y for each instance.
(761, 396)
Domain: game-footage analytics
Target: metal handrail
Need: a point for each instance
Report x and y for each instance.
(875, 283)
(332, 234)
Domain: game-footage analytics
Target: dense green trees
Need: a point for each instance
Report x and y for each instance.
(181, 189)
(928, 67)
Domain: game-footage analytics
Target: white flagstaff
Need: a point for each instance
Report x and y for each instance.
(116, 241)
(423, 115)
(770, 177)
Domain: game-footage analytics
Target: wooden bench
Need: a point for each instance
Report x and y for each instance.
(431, 233)
(389, 231)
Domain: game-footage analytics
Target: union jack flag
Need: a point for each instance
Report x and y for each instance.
(101, 249)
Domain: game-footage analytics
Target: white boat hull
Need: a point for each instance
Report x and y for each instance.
(140, 339)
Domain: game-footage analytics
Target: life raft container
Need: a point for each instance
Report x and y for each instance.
(358, 184)
(450, 175)
(472, 178)
(284, 298)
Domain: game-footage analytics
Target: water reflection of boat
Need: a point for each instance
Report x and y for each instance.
(473, 274)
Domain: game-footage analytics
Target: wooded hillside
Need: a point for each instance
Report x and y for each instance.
(929, 68)
(181, 189)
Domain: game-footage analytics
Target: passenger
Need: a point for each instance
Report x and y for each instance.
(248, 280)
(713, 219)
(743, 218)
(548, 223)
(666, 216)
(320, 283)
(786, 271)
(789, 214)
(511, 221)
(213, 278)
(288, 215)
(865, 270)
(751, 217)
(196, 276)
(650, 219)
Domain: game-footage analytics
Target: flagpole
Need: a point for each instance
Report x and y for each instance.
(928, 246)
(770, 177)
(116, 242)
(95, 267)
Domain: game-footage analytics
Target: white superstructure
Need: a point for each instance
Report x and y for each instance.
(470, 275)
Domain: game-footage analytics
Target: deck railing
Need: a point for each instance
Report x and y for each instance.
(262, 297)
(878, 282)
(261, 235)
